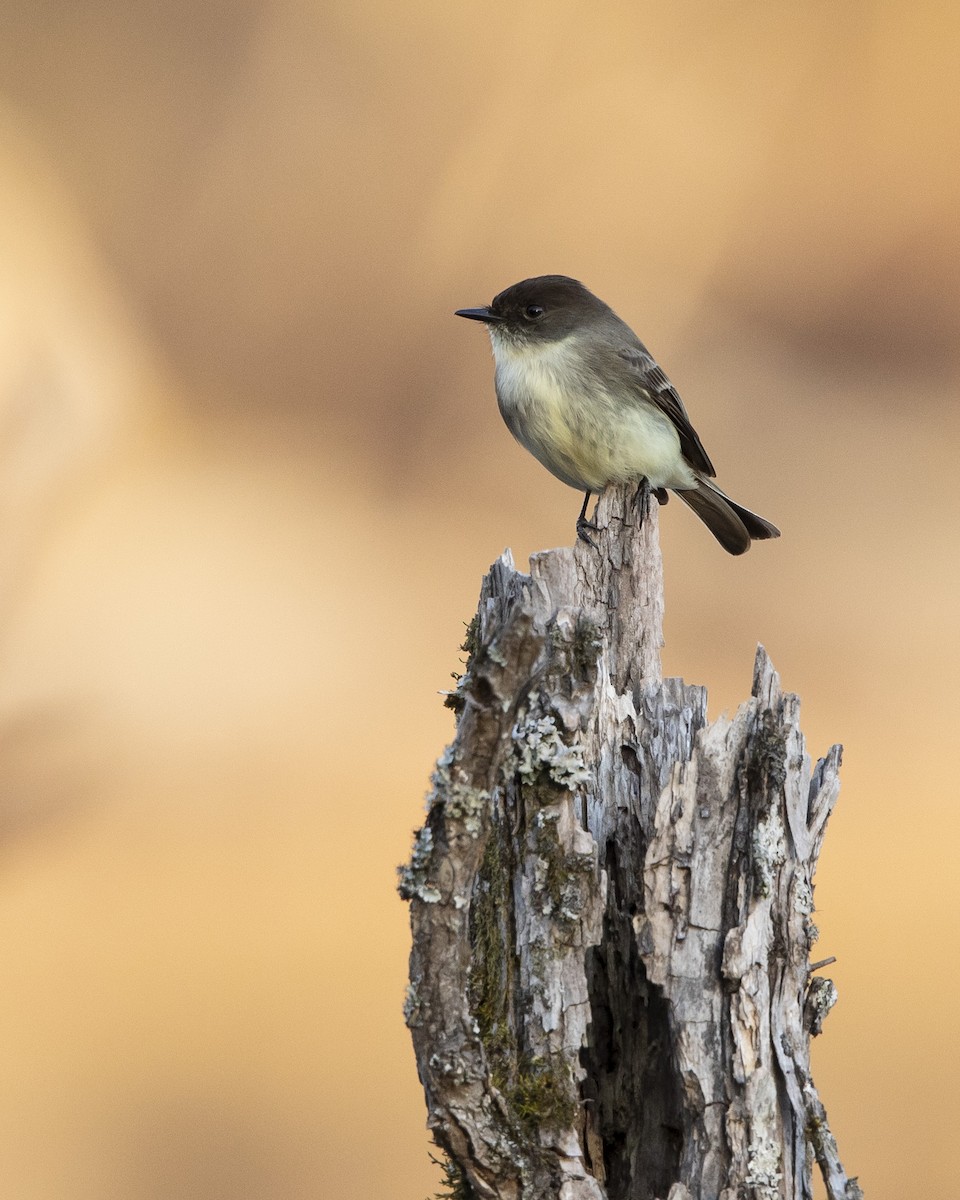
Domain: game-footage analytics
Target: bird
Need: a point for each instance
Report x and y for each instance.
(579, 390)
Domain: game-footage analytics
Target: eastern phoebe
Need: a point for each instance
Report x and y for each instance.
(578, 388)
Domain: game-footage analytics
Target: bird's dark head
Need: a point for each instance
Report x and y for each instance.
(547, 308)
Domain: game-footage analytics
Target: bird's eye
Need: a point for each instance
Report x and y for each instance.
(533, 312)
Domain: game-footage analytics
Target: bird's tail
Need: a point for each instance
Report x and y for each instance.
(734, 526)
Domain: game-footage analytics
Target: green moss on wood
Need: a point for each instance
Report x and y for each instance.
(469, 646)
(454, 1183)
(492, 960)
(542, 1095)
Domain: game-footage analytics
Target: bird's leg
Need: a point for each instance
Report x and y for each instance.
(642, 499)
(584, 526)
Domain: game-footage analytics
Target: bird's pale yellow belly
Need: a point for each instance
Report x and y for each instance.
(578, 430)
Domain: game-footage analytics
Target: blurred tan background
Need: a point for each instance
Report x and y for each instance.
(251, 472)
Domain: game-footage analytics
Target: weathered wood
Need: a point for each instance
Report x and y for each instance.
(611, 904)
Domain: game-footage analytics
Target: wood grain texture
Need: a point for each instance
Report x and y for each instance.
(611, 905)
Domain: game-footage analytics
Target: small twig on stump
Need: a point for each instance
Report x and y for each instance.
(611, 904)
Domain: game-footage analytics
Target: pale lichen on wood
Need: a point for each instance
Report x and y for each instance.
(611, 904)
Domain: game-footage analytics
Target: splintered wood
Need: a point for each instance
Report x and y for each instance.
(611, 903)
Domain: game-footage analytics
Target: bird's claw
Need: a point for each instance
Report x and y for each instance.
(584, 529)
(642, 500)
(643, 494)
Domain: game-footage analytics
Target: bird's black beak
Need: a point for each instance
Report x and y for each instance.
(479, 314)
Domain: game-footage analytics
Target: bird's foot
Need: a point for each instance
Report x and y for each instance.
(585, 528)
(642, 498)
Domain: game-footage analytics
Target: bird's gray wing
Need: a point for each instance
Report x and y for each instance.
(651, 379)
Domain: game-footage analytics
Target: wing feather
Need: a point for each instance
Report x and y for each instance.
(655, 385)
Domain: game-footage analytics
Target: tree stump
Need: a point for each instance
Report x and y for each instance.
(611, 904)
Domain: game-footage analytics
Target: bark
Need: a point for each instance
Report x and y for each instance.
(611, 904)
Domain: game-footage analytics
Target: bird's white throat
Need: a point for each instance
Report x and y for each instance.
(534, 372)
